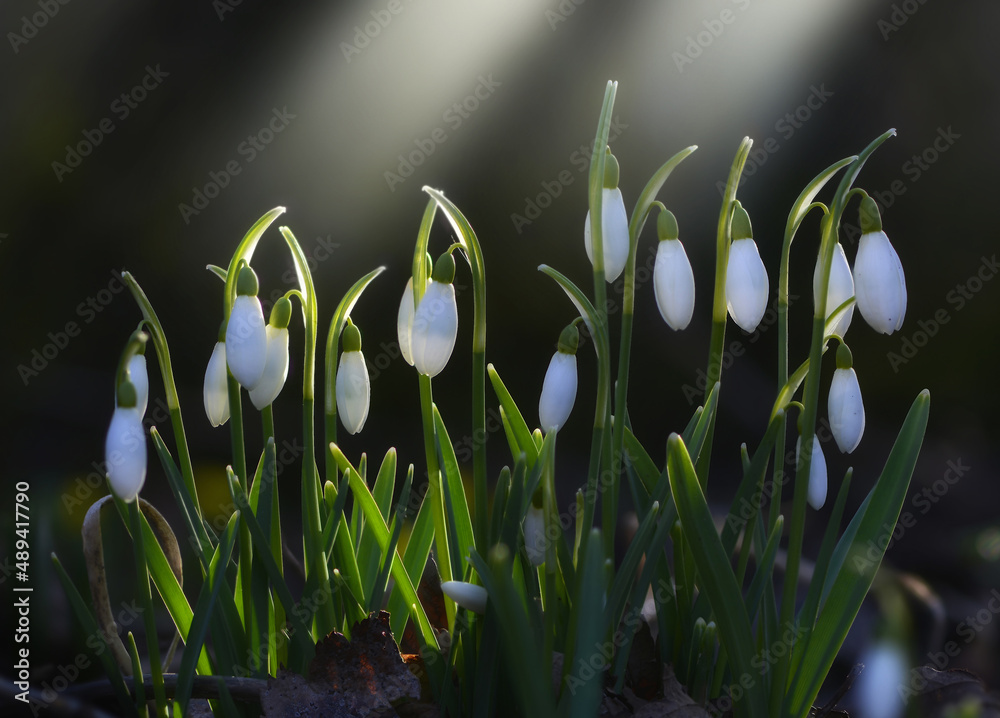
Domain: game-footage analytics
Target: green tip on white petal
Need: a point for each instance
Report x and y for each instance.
(467, 595)
(741, 228)
(351, 337)
(666, 225)
(611, 170)
(444, 269)
(871, 220)
(246, 283)
(281, 313)
(569, 339)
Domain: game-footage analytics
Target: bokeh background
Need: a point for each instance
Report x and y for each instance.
(149, 137)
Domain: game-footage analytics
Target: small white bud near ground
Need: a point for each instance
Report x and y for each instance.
(215, 393)
(467, 595)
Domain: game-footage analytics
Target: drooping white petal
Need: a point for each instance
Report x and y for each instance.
(534, 535)
(558, 392)
(673, 281)
(125, 453)
(840, 289)
(846, 409)
(816, 495)
(746, 284)
(140, 380)
(353, 391)
(614, 233)
(435, 328)
(467, 595)
(246, 341)
(216, 391)
(404, 321)
(275, 368)
(885, 668)
(879, 283)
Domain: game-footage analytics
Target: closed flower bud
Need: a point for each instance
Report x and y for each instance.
(746, 279)
(353, 386)
(276, 362)
(467, 595)
(673, 278)
(846, 410)
(559, 387)
(404, 321)
(839, 290)
(246, 337)
(140, 380)
(880, 286)
(125, 450)
(534, 535)
(216, 391)
(614, 224)
(816, 495)
(435, 321)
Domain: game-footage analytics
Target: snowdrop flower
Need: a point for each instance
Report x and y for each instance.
(246, 337)
(847, 411)
(878, 274)
(816, 495)
(140, 380)
(534, 535)
(467, 595)
(559, 386)
(216, 391)
(404, 320)
(614, 224)
(276, 356)
(353, 387)
(125, 446)
(746, 279)
(673, 279)
(884, 672)
(435, 321)
(839, 290)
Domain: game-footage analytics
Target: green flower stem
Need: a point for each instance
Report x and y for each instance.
(174, 407)
(276, 612)
(435, 491)
(719, 307)
(314, 557)
(474, 254)
(146, 601)
(810, 401)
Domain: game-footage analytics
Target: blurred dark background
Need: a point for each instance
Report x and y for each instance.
(150, 136)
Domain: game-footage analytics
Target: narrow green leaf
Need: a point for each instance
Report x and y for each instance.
(584, 691)
(514, 419)
(855, 575)
(454, 492)
(418, 548)
(716, 575)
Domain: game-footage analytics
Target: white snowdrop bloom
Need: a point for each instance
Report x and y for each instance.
(467, 595)
(534, 535)
(125, 449)
(140, 380)
(839, 290)
(353, 386)
(560, 383)
(879, 283)
(435, 321)
(673, 279)
(746, 284)
(614, 233)
(817, 473)
(216, 391)
(404, 321)
(844, 405)
(246, 337)
(275, 373)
